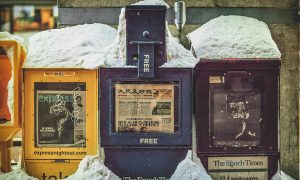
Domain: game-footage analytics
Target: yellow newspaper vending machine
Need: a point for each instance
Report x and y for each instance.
(10, 91)
(60, 120)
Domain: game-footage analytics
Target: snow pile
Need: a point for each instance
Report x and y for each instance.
(8, 36)
(91, 46)
(91, 168)
(9, 52)
(190, 169)
(68, 47)
(152, 2)
(115, 54)
(233, 37)
(280, 175)
(16, 174)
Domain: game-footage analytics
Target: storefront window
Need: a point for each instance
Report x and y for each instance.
(33, 18)
(5, 17)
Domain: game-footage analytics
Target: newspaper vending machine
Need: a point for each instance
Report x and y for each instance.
(60, 124)
(237, 117)
(10, 91)
(145, 111)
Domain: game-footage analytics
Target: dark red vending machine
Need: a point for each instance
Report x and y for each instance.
(145, 111)
(237, 117)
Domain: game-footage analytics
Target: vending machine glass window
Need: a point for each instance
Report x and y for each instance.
(144, 108)
(236, 110)
(60, 114)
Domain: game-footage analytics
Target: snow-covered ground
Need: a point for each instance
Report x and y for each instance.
(16, 174)
(280, 175)
(190, 168)
(90, 168)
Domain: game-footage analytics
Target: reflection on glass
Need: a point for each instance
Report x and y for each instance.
(144, 108)
(60, 110)
(235, 112)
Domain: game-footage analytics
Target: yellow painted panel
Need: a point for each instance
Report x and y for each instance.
(33, 150)
(50, 169)
(8, 130)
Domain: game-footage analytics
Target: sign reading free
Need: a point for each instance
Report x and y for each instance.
(231, 168)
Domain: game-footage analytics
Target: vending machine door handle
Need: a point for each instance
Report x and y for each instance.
(145, 58)
(59, 73)
(237, 74)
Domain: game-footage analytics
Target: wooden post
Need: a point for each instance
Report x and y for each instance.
(5, 149)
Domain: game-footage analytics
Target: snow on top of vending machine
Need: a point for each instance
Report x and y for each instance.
(67, 47)
(90, 46)
(114, 55)
(152, 2)
(233, 37)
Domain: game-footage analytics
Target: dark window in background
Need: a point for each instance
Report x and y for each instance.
(26, 20)
(5, 19)
(34, 18)
(2, 51)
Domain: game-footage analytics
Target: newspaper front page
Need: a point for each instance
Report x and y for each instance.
(144, 108)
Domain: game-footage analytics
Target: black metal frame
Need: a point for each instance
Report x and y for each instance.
(272, 161)
(267, 68)
(182, 78)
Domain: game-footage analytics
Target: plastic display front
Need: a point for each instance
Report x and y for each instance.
(145, 125)
(237, 117)
(142, 113)
(60, 124)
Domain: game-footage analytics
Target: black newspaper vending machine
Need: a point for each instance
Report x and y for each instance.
(145, 112)
(237, 117)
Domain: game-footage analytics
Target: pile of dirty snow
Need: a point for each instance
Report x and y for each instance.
(9, 51)
(115, 54)
(16, 174)
(233, 37)
(280, 175)
(91, 168)
(190, 169)
(67, 47)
